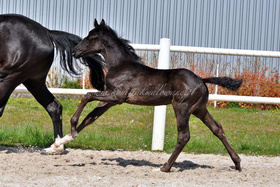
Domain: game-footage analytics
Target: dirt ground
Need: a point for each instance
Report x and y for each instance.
(29, 167)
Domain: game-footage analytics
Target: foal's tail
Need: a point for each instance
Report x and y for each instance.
(232, 84)
(64, 43)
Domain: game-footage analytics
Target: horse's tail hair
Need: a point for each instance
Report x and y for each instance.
(232, 84)
(64, 43)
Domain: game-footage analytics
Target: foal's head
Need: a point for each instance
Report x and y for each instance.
(99, 39)
(93, 43)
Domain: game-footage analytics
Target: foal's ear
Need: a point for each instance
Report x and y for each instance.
(102, 23)
(95, 23)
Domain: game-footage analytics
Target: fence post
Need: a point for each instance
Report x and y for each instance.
(160, 111)
(84, 76)
(216, 87)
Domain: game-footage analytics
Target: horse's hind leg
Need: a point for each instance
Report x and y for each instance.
(4, 97)
(7, 86)
(39, 90)
(3, 102)
(217, 129)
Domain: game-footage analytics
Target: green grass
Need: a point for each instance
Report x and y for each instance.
(129, 127)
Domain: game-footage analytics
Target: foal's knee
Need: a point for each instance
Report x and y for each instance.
(86, 98)
(74, 120)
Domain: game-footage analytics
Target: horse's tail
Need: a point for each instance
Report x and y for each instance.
(64, 43)
(232, 84)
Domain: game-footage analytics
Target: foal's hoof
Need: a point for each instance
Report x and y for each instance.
(165, 168)
(238, 167)
(73, 133)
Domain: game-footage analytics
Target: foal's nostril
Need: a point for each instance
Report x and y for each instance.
(75, 53)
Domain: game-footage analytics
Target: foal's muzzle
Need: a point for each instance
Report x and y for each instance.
(76, 53)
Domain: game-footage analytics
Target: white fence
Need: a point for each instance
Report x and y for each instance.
(164, 57)
(207, 50)
(219, 51)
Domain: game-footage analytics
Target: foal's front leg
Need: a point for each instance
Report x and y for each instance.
(101, 108)
(75, 118)
(105, 97)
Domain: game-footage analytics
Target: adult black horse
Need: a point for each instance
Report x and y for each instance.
(26, 55)
(129, 81)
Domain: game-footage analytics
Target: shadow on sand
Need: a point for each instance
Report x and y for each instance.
(185, 165)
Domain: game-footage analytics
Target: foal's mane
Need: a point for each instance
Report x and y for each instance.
(122, 42)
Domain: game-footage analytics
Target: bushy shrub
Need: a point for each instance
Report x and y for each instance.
(67, 83)
(256, 84)
(87, 82)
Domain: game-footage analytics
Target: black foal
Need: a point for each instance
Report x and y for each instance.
(129, 81)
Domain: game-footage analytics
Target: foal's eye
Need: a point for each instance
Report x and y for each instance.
(90, 38)
(94, 38)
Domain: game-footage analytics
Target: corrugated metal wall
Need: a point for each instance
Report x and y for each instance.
(238, 24)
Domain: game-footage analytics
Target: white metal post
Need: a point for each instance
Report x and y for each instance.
(84, 77)
(160, 111)
(216, 87)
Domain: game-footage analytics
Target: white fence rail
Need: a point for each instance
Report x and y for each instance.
(206, 50)
(58, 91)
(212, 97)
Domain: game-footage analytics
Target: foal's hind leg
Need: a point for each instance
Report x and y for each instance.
(182, 115)
(218, 131)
